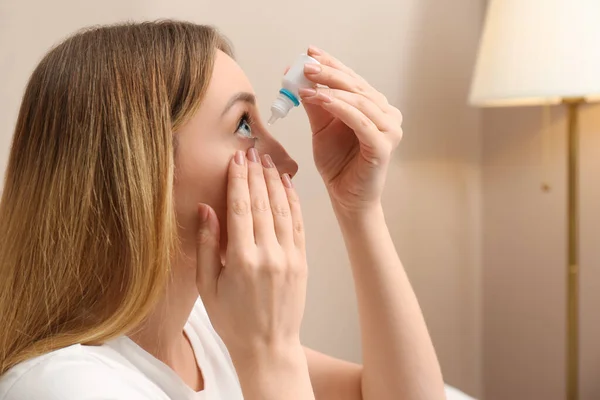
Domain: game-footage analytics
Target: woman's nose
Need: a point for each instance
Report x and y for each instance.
(286, 165)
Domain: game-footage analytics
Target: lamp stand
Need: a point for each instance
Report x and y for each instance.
(572, 105)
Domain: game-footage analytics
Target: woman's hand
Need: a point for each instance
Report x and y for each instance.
(257, 298)
(355, 130)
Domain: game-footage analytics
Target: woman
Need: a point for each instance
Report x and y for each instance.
(140, 176)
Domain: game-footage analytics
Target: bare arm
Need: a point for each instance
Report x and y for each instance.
(332, 378)
(399, 358)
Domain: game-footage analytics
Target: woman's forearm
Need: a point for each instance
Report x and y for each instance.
(399, 361)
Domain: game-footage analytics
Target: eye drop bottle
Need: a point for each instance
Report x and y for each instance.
(293, 81)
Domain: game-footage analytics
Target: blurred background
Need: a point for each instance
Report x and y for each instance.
(483, 246)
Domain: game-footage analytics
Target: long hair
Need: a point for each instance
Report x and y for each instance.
(87, 221)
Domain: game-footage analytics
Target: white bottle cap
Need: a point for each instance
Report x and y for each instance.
(273, 119)
(280, 108)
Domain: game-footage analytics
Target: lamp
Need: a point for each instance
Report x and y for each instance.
(539, 52)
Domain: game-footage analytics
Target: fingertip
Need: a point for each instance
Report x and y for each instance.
(314, 51)
(207, 250)
(213, 222)
(238, 167)
(239, 158)
(208, 219)
(203, 213)
(287, 181)
(307, 92)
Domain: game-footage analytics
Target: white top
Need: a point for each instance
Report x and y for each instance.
(121, 370)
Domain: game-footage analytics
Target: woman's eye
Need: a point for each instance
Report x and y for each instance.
(244, 128)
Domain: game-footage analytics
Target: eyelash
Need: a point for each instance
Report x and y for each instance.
(246, 118)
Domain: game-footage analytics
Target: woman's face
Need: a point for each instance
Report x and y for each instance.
(226, 121)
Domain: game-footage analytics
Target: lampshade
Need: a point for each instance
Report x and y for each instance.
(538, 52)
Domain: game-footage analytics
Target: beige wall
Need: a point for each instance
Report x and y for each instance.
(525, 254)
(420, 53)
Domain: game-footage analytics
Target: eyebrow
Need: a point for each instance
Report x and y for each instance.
(241, 96)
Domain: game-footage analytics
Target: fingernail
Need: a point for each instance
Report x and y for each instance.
(307, 92)
(287, 181)
(203, 212)
(324, 97)
(314, 50)
(239, 157)
(312, 68)
(268, 161)
(253, 155)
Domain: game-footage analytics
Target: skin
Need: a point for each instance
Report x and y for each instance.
(240, 227)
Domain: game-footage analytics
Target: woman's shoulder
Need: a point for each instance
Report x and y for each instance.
(73, 373)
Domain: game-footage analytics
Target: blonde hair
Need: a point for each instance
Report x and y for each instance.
(87, 222)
